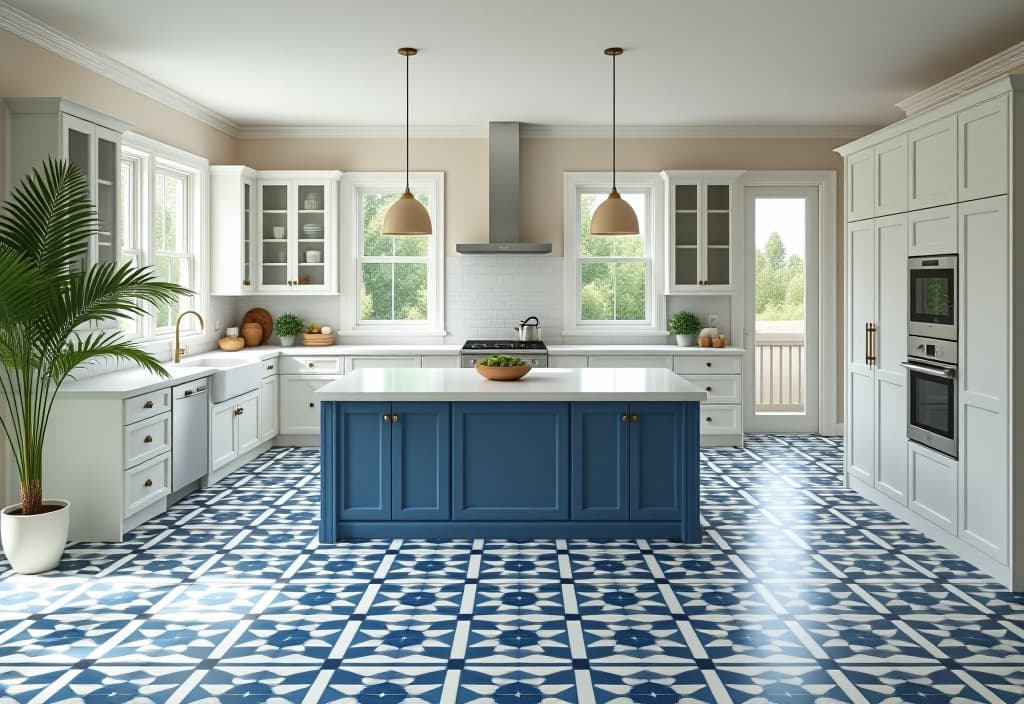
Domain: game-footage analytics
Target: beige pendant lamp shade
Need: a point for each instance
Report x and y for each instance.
(407, 216)
(615, 216)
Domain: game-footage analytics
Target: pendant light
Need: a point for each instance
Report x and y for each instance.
(407, 216)
(615, 216)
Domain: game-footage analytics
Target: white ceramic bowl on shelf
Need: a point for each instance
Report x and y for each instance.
(278, 231)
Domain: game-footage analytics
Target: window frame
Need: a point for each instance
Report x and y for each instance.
(576, 185)
(150, 156)
(353, 186)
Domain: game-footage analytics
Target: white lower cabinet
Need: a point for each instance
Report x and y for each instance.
(721, 415)
(567, 361)
(440, 361)
(234, 428)
(300, 407)
(382, 362)
(630, 362)
(933, 486)
(147, 483)
(268, 407)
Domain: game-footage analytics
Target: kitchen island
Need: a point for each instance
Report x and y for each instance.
(562, 453)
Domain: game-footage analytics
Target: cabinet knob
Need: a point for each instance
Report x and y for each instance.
(707, 364)
(311, 365)
(634, 419)
(708, 419)
(387, 418)
(147, 404)
(625, 419)
(270, 367)
(311, 404)
(147, 483)
(708, 389)
(239, 411)
(147, 439)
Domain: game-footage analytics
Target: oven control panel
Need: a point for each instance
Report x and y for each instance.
(932, 348)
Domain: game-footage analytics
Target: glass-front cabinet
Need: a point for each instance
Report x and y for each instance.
(701, 224)
(53, 127)
(278, 232)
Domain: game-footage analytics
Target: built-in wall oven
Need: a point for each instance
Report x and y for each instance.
(932, 401)
(933, 296)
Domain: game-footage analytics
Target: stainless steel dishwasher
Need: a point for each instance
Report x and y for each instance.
(190, 430)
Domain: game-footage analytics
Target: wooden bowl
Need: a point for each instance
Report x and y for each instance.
(310, 339)
(231, 344)
(503, 373)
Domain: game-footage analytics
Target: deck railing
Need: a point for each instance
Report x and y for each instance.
(779, 372)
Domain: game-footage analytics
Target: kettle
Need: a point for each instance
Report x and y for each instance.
(529, 332)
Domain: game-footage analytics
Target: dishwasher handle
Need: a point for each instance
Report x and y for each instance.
(199, 390)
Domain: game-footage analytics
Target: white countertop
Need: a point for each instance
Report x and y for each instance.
(538, 385)
(630, 350)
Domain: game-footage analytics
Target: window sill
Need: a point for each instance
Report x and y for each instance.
(615, 332)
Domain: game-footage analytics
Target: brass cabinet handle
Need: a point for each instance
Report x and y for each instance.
(634, 419)
(147, 404)
(147, 439)
(394, 419)
(625, 419)
(148, 483)
(869, 343)
(387, 418)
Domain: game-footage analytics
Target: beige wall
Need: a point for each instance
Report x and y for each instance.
(31, 71)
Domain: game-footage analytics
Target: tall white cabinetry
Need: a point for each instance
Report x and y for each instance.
(948, 180)
(39, 128)
(274, 231)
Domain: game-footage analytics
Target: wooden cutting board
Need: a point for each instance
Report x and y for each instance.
(261, 316)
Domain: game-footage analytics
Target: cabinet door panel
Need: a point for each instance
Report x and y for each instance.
(932, 231)
(933, 164)
(223, 438)
(248, 421)
(860, 185)
(891, 176)
(890, 338)
(510, 461)
(984, 148)
(363, 462)
(421, 461)
(655, 461)
(861, 291)
(300, 408)
(933, 487)
(268, 408)
(892, 437)
(600, 461)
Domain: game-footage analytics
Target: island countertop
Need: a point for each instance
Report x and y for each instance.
(539, 385)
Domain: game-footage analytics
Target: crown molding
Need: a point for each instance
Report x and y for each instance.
(1004, 62)
(29, 28)
(557, 131)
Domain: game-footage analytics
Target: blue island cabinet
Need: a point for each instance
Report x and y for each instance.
(512, 469)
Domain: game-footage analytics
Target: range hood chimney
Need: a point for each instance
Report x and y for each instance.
(503, 236)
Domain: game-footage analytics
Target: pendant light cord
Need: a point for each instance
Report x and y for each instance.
(406, 122)
(613, 122)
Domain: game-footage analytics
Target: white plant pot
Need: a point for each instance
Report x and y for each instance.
(287, 340)
(34, 544)
(686, 340)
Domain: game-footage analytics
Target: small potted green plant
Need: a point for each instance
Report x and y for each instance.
(287, 326)
(685, 327)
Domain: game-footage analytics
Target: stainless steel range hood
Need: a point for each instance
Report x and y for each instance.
(503, 236)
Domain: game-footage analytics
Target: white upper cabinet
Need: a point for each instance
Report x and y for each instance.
(984, 147)
(275, 231)
(702, 223)
(932, 151)
(233, 222)
(860, 185)
(933, 231)
(890, 176)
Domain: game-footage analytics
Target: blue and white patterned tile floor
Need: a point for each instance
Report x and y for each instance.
(801, 592)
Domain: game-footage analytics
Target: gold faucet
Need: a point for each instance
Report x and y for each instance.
(178, 349)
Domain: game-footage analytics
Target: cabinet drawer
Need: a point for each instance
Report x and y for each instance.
(147, 483)
(382, 362)
(609, 361)
(270, 367)
(312, 365)
(721, 388)
(933, 487)
(438, 361)
(720, 420)
(148, 405)
(146, 439)
(707, 364)
(571, 361)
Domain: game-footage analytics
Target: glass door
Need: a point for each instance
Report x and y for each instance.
(716, 251)
(108, 164)
(311, 253)
(782, 244)
(247, 248)
(274, 236)
(79, 145)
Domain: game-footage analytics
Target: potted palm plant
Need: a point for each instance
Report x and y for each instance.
(685, 327)
(46, 305)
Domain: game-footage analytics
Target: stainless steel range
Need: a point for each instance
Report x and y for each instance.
(535, 352)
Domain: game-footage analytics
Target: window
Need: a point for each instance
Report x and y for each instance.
(612, 281)
(397, 279)
(161, 226)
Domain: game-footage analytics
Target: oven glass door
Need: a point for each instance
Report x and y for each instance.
(933, 404)
(933, 296)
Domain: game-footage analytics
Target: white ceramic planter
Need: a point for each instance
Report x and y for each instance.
(287, 340)
(686, 340)
(34, 544)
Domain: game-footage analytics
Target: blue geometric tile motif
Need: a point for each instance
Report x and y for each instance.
(801, 591)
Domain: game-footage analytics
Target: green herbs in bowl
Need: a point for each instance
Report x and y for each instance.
(503, 367)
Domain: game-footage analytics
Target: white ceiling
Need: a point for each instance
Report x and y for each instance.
(687, 62)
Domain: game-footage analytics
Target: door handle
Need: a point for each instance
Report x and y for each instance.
(869, 344)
